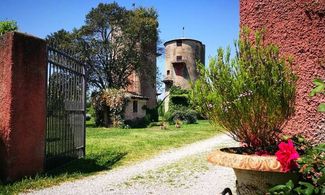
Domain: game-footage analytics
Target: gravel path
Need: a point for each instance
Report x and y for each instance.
(179, 171)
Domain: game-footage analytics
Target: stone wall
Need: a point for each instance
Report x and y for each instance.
(190, 51)
(298, 28)
(181, 71)
(23, 105)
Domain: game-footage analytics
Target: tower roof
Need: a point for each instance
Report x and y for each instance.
(182, 39)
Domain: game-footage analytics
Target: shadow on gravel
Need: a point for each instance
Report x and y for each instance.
(92, 163)
(72, 170)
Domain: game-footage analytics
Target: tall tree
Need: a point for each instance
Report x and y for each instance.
(113, 43)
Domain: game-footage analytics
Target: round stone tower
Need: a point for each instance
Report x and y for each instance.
(181, 56)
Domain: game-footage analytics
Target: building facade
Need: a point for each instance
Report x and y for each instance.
(142, 91)
(181, 57)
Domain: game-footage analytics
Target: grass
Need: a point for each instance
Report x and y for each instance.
(108, 148)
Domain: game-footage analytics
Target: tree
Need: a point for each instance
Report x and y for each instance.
(113, 43)
(7, 26)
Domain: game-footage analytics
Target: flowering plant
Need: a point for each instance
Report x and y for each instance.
(287, 156)
(109, 105)
(309, 162)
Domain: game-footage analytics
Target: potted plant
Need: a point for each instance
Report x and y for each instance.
(250, 95)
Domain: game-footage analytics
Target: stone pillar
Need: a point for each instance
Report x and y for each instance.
(22, 105)
(298, 28)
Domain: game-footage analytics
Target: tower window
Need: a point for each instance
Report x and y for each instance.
(179, 43)
(179, 69)
(168, 72)
(178, 58)
(135, 106)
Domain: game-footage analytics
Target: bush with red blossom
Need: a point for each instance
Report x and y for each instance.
(287, 155)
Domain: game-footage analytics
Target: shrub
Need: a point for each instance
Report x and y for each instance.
(184, 114)
(109, 105)
(250, 95)
(7, 26)
(181, 100)
(137, 122)
(176, 90)
(179, 107)
(152, 114)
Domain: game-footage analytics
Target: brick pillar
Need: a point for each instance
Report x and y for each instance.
(298, 28)
(22, 105)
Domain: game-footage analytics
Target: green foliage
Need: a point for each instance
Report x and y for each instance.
(181, 113)
(64, 39)
(179, 107)
(137, 123)
(285, 189)
(152, 114)
(176, 90)
(319, 88)
(8, 26)
(250, 95)
(179, 100)
(321, 107)
(312, 174)
(312, 167)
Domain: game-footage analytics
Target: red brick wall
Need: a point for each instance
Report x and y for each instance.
(298, 28)
(22, 110)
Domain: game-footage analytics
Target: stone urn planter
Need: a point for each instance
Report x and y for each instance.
(255, 174)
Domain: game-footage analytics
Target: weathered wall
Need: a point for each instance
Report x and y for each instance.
(22, 110)
(298, 28)
(191, 50)
(129, 114)
(147, 77)
(143, 81)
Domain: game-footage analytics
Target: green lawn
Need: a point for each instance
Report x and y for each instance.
(107, 148)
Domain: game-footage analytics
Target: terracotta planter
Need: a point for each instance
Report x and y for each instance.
(255, 174)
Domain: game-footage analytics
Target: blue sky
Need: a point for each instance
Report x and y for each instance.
(214, 22)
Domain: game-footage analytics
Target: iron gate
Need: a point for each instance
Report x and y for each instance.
(65, 125)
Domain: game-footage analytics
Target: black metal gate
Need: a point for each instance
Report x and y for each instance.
(65, 128)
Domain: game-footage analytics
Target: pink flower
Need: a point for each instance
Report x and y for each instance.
(287, 156)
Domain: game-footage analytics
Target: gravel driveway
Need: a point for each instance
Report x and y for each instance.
(183, 170)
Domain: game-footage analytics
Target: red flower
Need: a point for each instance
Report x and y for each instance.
(287, 156)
